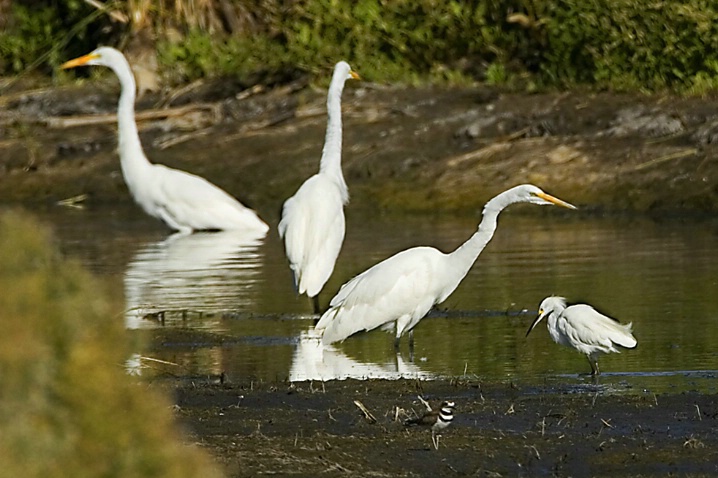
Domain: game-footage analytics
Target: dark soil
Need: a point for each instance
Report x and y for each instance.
(316, 429)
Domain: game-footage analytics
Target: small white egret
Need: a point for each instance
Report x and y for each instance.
(312, 223)
(185, 202)
(584, 329)
(402, 289)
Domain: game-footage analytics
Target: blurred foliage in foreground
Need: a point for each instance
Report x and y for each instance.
(647, 45)
(67, 408)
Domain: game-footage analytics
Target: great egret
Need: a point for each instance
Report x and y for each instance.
(436, 419)
(312, 223)
(403, 288)
(584, 329)
(185, 202)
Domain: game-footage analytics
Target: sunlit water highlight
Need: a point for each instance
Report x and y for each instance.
(225, 305)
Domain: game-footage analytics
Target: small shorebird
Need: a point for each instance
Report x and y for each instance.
(436, 419)
(584, 329)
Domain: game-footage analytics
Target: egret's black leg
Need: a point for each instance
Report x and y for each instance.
(315, 303)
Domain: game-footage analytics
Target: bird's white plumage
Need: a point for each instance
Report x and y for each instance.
(182, 200)
(584, 329)
(312, 227)
(186, 201)
(402, 289)
(312, 223)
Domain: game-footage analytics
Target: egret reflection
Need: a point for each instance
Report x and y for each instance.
(197, 273)
(313, 360)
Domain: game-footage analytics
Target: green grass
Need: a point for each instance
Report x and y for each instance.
(627, 45)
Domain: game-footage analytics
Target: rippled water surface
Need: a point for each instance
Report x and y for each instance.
(224, 304)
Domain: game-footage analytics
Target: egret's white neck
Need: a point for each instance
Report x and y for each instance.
(132, 158)
(331, 162)
(465, 255)
(553, 317)
(556, 311)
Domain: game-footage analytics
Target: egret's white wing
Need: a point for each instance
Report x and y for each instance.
(193, 201)
(399, 287)
(591, 331)
(313, 228)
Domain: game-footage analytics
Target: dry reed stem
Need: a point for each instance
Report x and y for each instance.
(114, 14)
(88, 120)
(367, 414)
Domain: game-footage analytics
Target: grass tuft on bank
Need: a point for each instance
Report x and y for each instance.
(67, 407)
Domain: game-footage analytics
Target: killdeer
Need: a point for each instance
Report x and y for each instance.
(436, 419)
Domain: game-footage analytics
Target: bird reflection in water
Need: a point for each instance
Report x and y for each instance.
(313, 360)
(202, 272)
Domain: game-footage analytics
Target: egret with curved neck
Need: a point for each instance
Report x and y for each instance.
(399, 291)
(184, 201)
(312, 223)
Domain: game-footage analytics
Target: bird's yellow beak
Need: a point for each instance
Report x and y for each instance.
(555, 200)
(79, 61)
(354, 75)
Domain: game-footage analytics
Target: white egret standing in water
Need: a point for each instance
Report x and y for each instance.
(312, 223)
(399, 291)
(584, 329)
(185, 202)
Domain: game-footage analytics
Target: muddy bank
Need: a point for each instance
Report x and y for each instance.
(405, 149)
(500, 429)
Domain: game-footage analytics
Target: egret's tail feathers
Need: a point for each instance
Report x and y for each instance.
(339, 323)
(329, 336)
(326, 319)
(624, 338)
(326, 328)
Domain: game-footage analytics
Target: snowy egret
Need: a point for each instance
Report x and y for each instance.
(584, 329)
(312, 223)
(402, 289)
(185, 202)
(437, 419)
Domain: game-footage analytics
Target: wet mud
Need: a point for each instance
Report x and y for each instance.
(500, 429)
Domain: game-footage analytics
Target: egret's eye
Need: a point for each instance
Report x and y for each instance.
(540, 311)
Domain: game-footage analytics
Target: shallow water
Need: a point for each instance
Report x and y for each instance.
(224, 305)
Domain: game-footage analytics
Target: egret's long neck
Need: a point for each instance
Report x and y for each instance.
(465, 255)
(553, 317)
(331, 163)
(132, 158)
(552, 321)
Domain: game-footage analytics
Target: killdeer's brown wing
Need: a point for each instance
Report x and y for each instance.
(427, 419)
